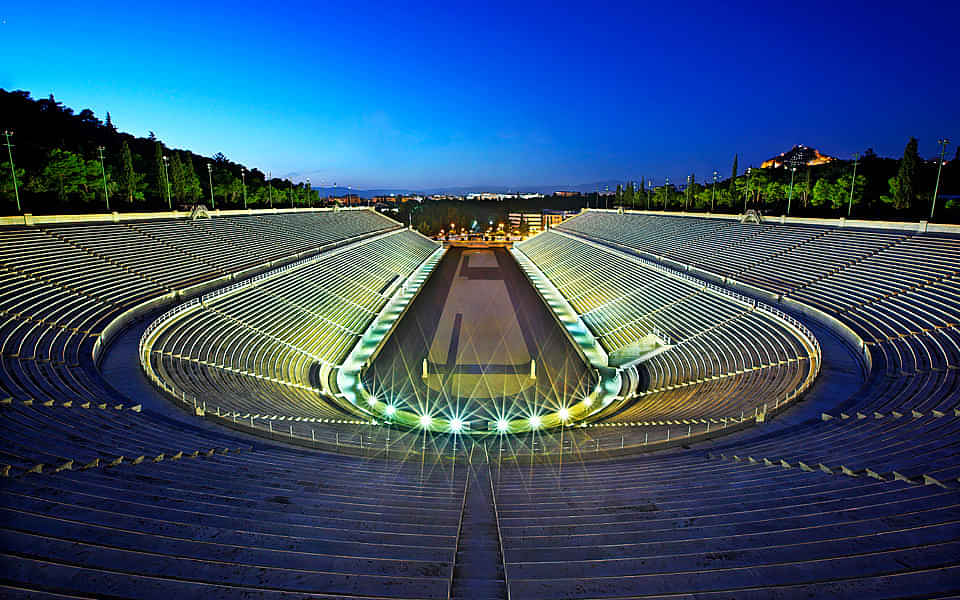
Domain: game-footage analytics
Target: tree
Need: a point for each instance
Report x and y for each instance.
(6, 181)
(903, 187)
(176, 176)
(191, 182)
(733, 178)
(630, 195)
(64, 173)
(131, 182)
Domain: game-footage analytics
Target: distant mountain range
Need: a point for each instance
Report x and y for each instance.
(463, 190)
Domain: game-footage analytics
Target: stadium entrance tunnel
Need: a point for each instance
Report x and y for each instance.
(478, 352)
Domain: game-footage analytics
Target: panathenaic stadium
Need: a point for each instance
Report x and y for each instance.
(285, 404)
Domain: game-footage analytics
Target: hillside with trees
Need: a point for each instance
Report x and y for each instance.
(58, 167)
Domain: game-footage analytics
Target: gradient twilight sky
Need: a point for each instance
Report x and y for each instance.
(377, 94)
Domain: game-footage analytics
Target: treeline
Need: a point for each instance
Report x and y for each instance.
(58, 167)
(880, 188)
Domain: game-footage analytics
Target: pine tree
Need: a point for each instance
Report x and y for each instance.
(109, 123)
(176, 176)
(129, 178)
(903, 186)
(733, 178)
(191, 181)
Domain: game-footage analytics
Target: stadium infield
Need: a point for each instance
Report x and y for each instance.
(479, 324)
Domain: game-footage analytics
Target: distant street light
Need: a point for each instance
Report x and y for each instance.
(243, 178)
(856, 155)
(270, 187)
(713, 195)
(936, 188)
(213, 202)
(686, 193)
(666, 192)
(13, 171)
(309, 198)
(746, 191)
(649, 191)
(793, 170)
(166, 177)
(103, 171)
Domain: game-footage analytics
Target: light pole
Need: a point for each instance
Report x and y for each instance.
(856, 155)
(103, 171)
(649, 192)
(166, 177)
(213, 202)
(746, 191)
(713, 195)
(686, 193)
(13, 171)
(270, 187)
(243, 178)
(666, 192)
(793, 170)
(936, 188)
(309, 199)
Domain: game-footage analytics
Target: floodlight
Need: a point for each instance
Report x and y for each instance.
(502, 425)
(425, 421)
(390, 410)
(535, 422)
(563, 413)
(456, 425)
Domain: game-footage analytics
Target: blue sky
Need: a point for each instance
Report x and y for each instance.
(382, 94)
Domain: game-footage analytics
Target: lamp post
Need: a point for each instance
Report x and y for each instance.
(213, 202)
(166, 177)
(309, 199)
(793, 170)
(713, 195)
(856, 155)
(16, 192)
(649, 192)
(686, 193)
(270, 187)
(103, 171)
(936, 188)
(746, 191)
(243, 178)
(666, 192)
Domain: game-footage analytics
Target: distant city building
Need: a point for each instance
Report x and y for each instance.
(533, 220)
(798, 156)
(552, 218)
(499, 196)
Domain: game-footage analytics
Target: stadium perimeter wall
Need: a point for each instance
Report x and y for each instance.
(912, 226)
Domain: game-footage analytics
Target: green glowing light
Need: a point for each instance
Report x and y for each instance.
(390, 410)
(502, 425)
(425, 421)
(535, 422)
